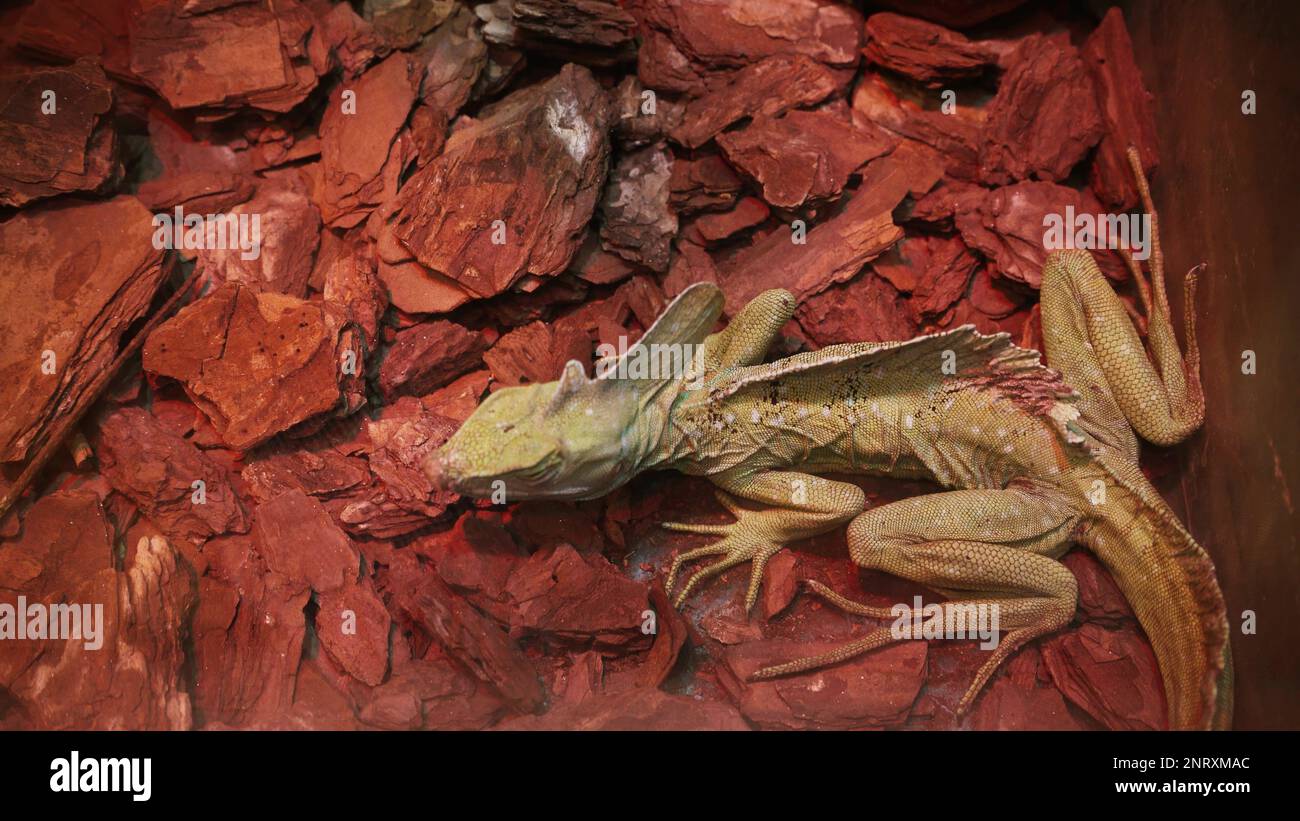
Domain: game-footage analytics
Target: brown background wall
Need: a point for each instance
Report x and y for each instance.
(1227, 189)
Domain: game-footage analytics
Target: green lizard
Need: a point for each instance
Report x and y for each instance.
(1038, 458)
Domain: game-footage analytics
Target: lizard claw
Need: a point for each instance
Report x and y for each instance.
(740, 543)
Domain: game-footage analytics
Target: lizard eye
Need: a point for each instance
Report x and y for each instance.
(506, 427)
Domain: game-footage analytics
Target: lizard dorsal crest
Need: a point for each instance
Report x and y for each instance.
(665, 353)
(963, 354)
(688, 318)
(678, 331)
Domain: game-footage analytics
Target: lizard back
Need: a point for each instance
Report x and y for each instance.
(958, 407)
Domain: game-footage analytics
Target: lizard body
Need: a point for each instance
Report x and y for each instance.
(1035, 458)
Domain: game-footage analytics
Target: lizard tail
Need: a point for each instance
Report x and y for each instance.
(1170, 582)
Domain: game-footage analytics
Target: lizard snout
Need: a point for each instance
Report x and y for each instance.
(435, 468)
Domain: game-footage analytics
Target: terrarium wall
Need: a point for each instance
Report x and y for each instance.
(1226, 189)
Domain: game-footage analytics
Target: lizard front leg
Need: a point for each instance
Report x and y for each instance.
(750, 333)
(987, 548)
(794, 506)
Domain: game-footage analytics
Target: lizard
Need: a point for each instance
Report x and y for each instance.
(1033, 459)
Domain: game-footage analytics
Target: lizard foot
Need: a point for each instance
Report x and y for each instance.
(748, 539)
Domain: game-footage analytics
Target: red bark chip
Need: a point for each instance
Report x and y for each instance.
(749, 212)
(240, 55)
(69, 299)
(1110, 674)
(284, 241)
(256, 363)
(452, 209)
(563, 597)
(923, 51)
(426, 357)
(867, 309)
(638, 223)
(536, 353)
(875, 690)
(802, 156)
(353, 628)
(248, 633)
(1045, 117)
(357, 133)
(300, 542)
(123, 667)
(1007, 225)
(178, 487)
(703, 181)
(55, 133)
(1126, 111)
(795, 80)
(722, 33)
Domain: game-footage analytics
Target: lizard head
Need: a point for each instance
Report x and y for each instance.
(570, 439)
(576, 437)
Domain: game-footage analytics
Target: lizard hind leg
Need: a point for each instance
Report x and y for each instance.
(992, 552)
(1091, 339)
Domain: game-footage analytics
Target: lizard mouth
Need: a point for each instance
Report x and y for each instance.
(436, 469)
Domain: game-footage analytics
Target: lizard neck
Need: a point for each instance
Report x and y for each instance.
(646, 441)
